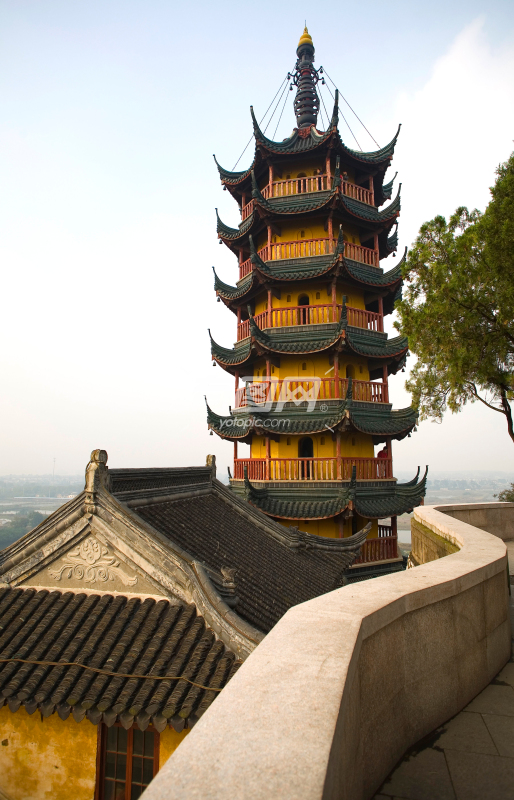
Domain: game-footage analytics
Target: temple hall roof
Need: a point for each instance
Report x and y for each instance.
(100, 647)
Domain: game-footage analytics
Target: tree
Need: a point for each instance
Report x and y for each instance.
(506, 495)
(458, 307)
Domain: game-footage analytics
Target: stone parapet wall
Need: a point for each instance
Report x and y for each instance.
(344, 684)
(427, 545)
(495, 518)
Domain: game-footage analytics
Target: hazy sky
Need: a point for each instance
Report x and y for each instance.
(109, 115)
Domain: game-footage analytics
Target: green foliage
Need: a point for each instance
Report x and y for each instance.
(458, 307)
(506, 495)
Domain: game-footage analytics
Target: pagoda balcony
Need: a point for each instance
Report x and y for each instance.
(307, 248)
(283, 391)
(379, 549)
(309, 185)
(313, 469)
(311, 315)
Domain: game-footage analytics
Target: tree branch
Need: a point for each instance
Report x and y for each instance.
(477, 396)
(507, 411)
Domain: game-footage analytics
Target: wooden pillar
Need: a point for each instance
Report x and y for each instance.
(381, 312)
(270, 180)
(394, 531)
(235, 456)
(377, 260)
(337, 393)
(241, 259)
(389, 455)
(334, 302)
(237, 379)
(338, 454)
(327, 169)
(385, 387)
(268, 457)
(268, 369)
(330, 234)
(372, 190)
(270, 306)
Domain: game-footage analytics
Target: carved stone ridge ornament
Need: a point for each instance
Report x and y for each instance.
(91, 562)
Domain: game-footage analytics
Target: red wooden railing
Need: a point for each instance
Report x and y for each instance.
(365, 319)
(305, 248)
(314, 183)
(274, 391)
(310, 315)
(378, 550)
(312, 469)
(357, 192)
(247, 210)
(363, 254)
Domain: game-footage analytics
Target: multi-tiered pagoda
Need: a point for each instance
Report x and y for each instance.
(312, 361)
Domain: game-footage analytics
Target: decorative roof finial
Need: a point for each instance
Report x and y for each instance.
(305, 38)
(306, 103)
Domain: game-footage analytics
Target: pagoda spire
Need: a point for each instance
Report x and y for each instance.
(306, 103)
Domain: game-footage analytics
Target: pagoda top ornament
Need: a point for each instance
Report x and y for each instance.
(305, 38)
(305, 77)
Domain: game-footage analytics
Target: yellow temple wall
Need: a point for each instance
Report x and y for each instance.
(169, 740)
(317, 294)
(52, 759)
(308, 167)
(353, 445)
(312, 229)
(329, 527)
(46, 759)
(317, 366)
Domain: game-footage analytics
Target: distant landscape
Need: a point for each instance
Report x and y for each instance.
(26, 500)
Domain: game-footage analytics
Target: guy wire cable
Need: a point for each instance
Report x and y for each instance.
(260, 123)
(351, 109)
(343, 116)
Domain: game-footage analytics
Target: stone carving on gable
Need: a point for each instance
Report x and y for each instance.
(92, 563)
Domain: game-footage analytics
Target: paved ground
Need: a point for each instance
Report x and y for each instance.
(471, 757)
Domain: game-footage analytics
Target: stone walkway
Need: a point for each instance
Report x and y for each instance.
(471, 757)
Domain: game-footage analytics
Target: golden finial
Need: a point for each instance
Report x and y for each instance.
(305, 38)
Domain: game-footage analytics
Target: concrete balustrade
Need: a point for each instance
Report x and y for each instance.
(344, 684)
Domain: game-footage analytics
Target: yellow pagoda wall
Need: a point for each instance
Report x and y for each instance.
(52, 759)
(317, 366)
(329, 527)
(317, 294)
(312, 229)
(309, 167)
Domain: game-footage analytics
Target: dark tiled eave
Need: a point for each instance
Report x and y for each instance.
(371, 499)
(376, 419)
(309, 269)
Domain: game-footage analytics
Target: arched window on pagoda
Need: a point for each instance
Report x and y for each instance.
(303, 313)
(305, 451)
